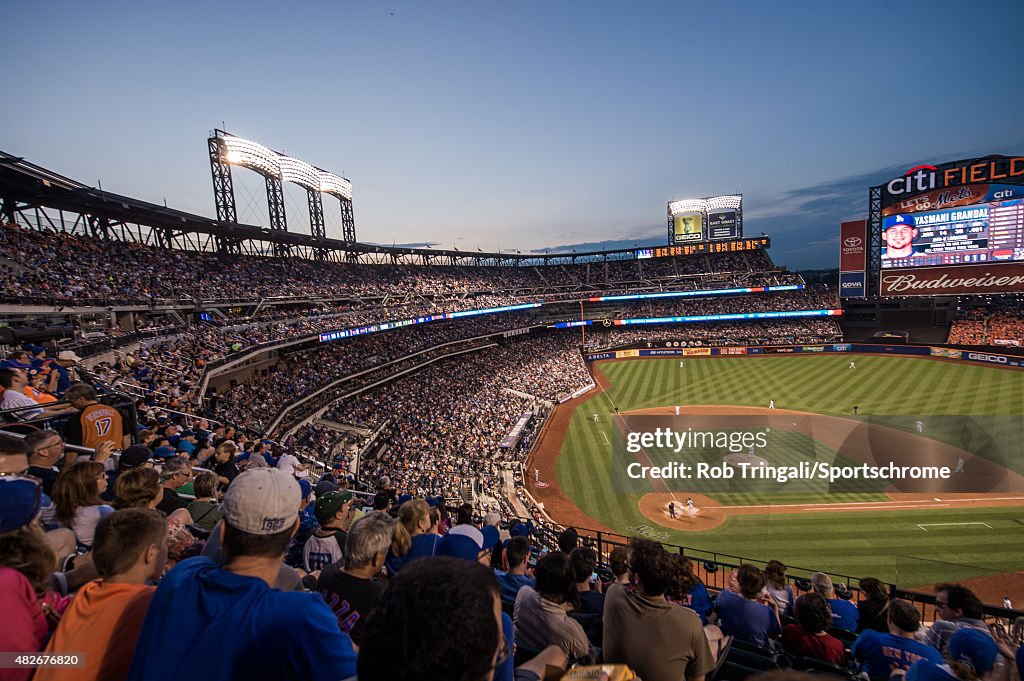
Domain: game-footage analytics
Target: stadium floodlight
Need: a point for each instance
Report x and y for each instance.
(731, 202)
(686, 206)
(242, 152)
(336, 186)
(300, 173)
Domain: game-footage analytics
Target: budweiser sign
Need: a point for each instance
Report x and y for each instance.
(940, 281)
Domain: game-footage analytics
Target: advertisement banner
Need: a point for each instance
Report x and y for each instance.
(722, 225)
(696, 352)
(598, 356)
(973, 171)
(729, 351)
(621, 354)
(956, 280)
(687, 227)
(853, 246)
(660, 353)
(948, 353)
(851, 285)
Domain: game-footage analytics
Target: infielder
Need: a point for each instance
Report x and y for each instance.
(596, 417)
(771, 404)
(920, 426)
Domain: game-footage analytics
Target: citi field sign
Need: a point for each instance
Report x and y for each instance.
(927, 178)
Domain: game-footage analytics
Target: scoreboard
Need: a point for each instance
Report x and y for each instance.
(965, 235)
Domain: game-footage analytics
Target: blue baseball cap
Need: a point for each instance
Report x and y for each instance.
(902, 220)
(164, 452)
(306, 488)
(20, 498)
(975, 648)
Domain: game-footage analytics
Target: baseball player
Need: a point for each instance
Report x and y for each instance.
(681, 364)
(672, 510)
(855, 408)
(853, 365)
(596, 417)
(920, 426)
(677, 410)
(771, 404)
(536, 474)
(689, 506)
(750, 453)
(959, 465)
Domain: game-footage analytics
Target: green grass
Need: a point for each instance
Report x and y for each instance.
(977, 408)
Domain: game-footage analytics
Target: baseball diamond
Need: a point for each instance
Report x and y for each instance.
(909, 532)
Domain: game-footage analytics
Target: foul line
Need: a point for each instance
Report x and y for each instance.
(605, 437)
(625, 424)
(924, 525)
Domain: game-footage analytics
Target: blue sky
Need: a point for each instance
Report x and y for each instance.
(520, 125)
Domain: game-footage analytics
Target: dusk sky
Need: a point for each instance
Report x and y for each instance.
(522, 125)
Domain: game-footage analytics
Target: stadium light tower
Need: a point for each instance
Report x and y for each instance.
(227, 150)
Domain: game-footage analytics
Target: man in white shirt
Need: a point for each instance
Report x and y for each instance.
(289, 463)
(13, 382)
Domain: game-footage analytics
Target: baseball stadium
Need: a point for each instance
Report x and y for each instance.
(695, 399)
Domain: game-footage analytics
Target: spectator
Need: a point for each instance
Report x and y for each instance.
(133, 457)
(45, 451)
(618, 563)
(175, 473)
(688, 590)
(658, 640)
(104, 619)
(325, 546)
(29, 611)
(352, 590)
(517, 555)
(95, 422)
(224, 463)
(881, 654)
(568, 540)
(12, 396)
(205, 510)
(775, 583)
(749, 615)
(429, 591)
(541, 613)
(971, 657)
(76, 495)
(959, 609)
(198, 596)
(588, 586)
(844, 613)
(14, 464)
(873, 609)
(810, 638)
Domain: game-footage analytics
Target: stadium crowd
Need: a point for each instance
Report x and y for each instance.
(994, 322)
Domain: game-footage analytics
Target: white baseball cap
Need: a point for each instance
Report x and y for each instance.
(262, 501)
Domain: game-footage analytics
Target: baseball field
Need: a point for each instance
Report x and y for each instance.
(912, 411)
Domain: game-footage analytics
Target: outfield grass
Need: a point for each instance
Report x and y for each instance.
(975, 407)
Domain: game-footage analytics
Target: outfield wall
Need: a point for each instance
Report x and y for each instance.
(672, 349)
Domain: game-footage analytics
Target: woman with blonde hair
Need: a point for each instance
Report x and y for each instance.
(412, 538)
(76, 494)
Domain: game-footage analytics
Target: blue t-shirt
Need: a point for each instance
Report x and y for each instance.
(883, 653)
(205, 622)
(844, 614)
(747, 620)
(699, 601)
(511, 584)
(423, 546)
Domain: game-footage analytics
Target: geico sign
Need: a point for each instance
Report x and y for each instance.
(852, 242)
(982, 357)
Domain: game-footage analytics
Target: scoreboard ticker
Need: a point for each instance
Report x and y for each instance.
(755, 244)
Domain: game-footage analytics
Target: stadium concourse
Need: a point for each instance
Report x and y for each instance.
(194, 459)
